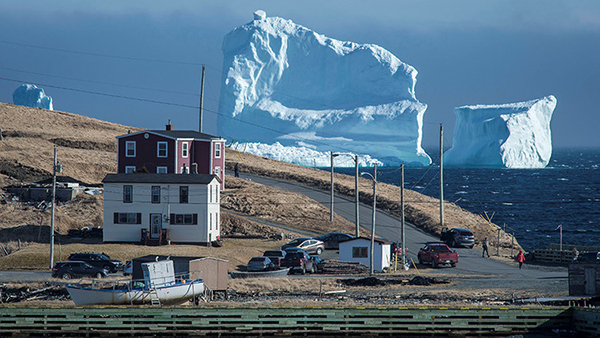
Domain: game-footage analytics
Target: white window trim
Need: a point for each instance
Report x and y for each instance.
(185, 149)
(130, 167)
(159, 168)
(218, 150)
(126, 148)
(158, 149)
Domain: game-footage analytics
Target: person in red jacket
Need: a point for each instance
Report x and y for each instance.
(520, 258)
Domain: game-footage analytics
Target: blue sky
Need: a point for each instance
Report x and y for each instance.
(466, 52)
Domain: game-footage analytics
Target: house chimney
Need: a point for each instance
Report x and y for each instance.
(169, 126)
(194, 168)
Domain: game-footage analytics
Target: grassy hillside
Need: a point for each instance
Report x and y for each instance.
(87, 151)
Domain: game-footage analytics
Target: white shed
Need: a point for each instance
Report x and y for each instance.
(359, 249)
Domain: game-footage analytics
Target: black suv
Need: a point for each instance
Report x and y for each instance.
(74, 269)
(97, 260)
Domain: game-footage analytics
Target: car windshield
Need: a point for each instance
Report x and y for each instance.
(275, 253)
(439, 248)
(465, 233)
(257, 259)
(297, 241)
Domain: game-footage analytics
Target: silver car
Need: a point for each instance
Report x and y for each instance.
(310, 245)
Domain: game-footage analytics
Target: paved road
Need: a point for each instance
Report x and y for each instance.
(479, 272)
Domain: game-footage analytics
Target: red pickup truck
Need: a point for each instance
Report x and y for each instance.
(437, 254)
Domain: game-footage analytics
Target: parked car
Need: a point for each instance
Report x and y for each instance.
(588, 257)
(332, 240)
(456, 237)
(76, 269)
(437, 254)
(97, 260)
(318, 263)
(128, 268)
(260, 264)
(309, 245)
(276, 256)
(298, 261)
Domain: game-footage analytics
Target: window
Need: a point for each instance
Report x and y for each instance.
(161, 149)
(184, 149)
(218, 171)
(129, 169)
(217, 150)
(127, 218)
(183, 194)
(127, 193)
(184, 219)
(360, 252)
(155, 194)
(161, 170)
(129, 148)
(211, 194)
(184, 169)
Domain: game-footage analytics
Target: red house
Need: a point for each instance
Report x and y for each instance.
(172, 152)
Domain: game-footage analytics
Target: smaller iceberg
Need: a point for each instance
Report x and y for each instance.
(513, 135)
(31, 96)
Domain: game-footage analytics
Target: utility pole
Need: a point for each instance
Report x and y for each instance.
(441, 176)
(402, 228)
(356, 196)
(332, 155)
(201, 100)
(56, 168)
(374, 178)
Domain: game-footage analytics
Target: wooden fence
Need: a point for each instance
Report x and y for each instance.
(310, 321)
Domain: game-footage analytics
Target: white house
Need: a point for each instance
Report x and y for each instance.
(177, 208)
(359, 250)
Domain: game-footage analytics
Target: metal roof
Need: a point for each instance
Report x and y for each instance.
(160, 178)
(177, 134)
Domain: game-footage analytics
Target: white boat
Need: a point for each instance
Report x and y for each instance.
(158, 287)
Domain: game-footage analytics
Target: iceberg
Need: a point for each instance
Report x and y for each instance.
(284, 83)
(31, 96)
(514, 135)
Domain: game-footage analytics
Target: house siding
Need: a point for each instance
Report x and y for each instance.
(146, 153)
(198, 203)
(381, 253)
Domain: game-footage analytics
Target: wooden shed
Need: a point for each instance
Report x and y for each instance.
(214, 272)
(584, 279)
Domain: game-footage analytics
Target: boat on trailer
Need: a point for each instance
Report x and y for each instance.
(160, 286)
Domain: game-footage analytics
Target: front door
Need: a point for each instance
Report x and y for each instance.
(590, 281)
(155, 225)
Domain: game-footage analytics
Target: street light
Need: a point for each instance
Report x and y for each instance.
(374, 178)
(356, 196)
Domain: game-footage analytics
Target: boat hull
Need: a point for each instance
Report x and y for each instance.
(166, 295)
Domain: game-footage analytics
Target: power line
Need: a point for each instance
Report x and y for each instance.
(100, 55)
(100, 82)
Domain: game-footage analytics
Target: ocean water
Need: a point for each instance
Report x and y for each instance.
(532, 202)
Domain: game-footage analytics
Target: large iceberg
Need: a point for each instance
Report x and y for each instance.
(31, 96)
(514, 135)
(285, 83)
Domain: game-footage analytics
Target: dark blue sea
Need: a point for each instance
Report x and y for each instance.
(533, 202)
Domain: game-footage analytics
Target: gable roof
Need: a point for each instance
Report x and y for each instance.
(177, 134)
(160, 178)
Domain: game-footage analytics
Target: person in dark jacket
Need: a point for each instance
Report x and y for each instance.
(485, 248)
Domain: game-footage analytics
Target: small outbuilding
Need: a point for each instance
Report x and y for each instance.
(214, 271)
(359, 250)
(584, 279)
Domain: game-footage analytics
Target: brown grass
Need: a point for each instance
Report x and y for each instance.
(86, 149)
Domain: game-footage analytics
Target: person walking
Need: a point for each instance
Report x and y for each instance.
(237, 170)
(485, 248)
(520, 258)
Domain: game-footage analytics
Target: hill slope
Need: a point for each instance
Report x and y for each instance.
(87, 151)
